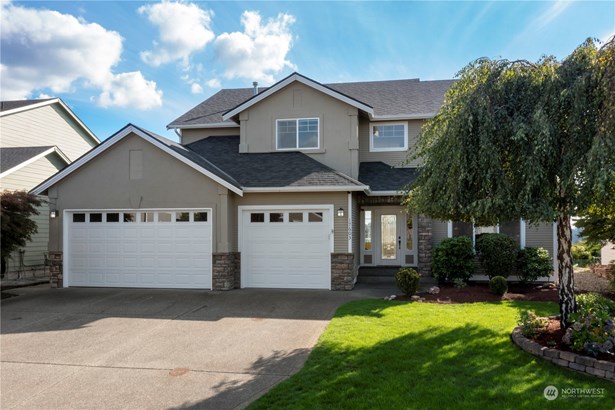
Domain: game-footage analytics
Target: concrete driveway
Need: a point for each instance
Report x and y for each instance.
(136, 348)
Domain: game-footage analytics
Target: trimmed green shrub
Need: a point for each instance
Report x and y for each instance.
(497, 254)
(532, 264)
(453, 259)
(407, 280)
(498, 285)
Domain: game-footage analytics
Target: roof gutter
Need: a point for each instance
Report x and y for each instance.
(208, 125)
(312, 188)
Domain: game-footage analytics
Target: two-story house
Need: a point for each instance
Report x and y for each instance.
(38, 138)
(292, 186)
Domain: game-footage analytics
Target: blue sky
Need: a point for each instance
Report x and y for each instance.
(115, 62)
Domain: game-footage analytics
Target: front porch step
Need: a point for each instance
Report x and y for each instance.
(378, 271)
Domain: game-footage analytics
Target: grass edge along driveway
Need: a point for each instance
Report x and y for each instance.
(393, 355)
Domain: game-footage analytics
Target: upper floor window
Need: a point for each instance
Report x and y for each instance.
(388, 137)
(300, 133)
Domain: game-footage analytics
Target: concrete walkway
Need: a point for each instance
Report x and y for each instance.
(137, 348)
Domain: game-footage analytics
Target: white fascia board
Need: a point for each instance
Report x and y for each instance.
(420, 116)
(111, 142)
(209, 125)
(290, 79)
(36, 158)
(385, 193)
(53, 101)
(329, 188)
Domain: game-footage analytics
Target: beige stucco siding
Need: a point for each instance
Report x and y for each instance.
(192, 135)
(540, 235)
(393, 158)
(337, 199)
(439, 231)
(104, 183)
(338, 125)
(47, 125)
(27, 178)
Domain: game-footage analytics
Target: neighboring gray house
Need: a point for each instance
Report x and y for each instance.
(297, 185)
(38, 138)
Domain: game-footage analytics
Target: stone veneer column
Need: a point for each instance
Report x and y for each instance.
(424, 246)
(225, 270)
(342, 271)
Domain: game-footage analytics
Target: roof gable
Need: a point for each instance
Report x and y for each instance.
(296, 77)
(178, 151)
(14, 107)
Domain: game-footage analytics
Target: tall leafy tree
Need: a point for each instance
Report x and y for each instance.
(516, 139)
(16, 222)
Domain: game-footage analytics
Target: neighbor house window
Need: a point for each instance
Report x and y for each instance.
(300, 133)
(388, 137)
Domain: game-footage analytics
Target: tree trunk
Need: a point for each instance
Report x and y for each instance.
(567, 301)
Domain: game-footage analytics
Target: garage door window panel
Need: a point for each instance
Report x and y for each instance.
(257, 217)
(78, 218)
(276, 217)
(96, 217)
(200, 217)
(315, 217)
(295, 217)
(182, 217)
(113, 217)
(129, 217)
(165, 216)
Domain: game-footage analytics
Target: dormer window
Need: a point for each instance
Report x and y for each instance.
(390, 136)
(298, 133)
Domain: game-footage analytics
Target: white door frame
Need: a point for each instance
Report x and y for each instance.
(376, 252)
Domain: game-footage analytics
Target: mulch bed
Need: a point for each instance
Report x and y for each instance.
(479, 292)
(552, 337)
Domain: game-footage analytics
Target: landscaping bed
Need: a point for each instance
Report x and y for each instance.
(480, 292)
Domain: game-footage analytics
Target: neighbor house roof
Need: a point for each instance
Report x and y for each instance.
(14, 107)
(394, 99)
(15, 158)
(385, 179)
(272, 171)
(176, 150)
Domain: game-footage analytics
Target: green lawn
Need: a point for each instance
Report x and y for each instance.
(393, 355)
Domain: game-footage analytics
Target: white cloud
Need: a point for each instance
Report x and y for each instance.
(607, 37)
(45, 49)
(213, 83)
(259, 51)
(184, 29)
(196, 88)
(130, 90)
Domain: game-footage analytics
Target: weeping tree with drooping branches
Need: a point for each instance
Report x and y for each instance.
(516, 139)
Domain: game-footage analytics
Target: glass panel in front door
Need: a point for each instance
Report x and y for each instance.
(388, 236)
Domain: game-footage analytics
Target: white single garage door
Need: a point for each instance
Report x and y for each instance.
(286, 248)
(138, 249)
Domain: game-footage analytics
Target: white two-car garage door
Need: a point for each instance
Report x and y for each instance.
(286, 248)
(139, 249)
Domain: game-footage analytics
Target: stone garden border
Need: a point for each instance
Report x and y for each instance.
(584, 364)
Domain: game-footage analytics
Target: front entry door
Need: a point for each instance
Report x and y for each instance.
(390, 239)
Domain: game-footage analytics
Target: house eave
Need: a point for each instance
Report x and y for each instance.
(311, 188)
(208, 125)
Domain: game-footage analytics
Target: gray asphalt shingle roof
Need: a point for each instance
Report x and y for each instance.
(11, 105)
(11, 157)
(388, 98)
(279, 169)
(382, 177)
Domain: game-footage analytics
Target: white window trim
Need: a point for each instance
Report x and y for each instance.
(297, 148)
(371, 137)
